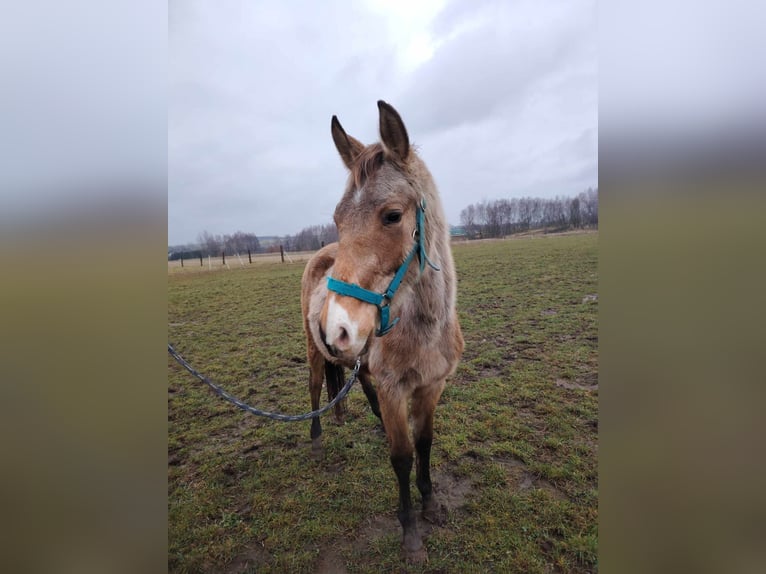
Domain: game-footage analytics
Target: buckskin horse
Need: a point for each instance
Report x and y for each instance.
(385, 294)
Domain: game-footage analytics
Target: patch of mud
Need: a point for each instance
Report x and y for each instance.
(374, 529)
(575, 385)
(451, 491)
(251, 451)
(335, 467)
(330, 562)
(490, 372)
(252, 560)
(522, 480)
(510, 462)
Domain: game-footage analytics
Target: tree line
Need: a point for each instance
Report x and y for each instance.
(214, 245)
(209, 244)
(311, 238)
(484, 219)
(507, 216)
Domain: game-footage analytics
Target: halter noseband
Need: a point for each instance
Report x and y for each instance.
(383, 300)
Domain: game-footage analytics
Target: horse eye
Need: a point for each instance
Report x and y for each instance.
(392, 217)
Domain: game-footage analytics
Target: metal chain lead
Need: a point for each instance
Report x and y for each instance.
(274, 416)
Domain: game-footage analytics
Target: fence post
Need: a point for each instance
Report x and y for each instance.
(200, 259)
(223, 257)
(249, 258)
(282, 253)
(182, 260)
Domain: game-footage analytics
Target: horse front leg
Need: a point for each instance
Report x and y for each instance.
(423, 406)
(393, 407)
(316, 372)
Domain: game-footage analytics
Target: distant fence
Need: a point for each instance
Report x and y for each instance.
(199, 262)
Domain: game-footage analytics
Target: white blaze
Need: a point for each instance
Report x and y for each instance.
(338, 322)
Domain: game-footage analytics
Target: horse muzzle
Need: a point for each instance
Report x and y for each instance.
(348, 325)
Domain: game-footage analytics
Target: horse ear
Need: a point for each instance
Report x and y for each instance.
(348, 147)
(392, 131)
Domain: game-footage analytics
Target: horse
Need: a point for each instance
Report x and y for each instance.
(385, 294)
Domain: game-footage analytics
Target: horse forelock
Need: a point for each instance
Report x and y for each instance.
(367, 163)
(368, 166)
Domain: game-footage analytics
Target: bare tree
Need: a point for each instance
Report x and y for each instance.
(525, 213)
(505, 214)
(328, 233)
(210, 244)
(575, 218)
(589, 207)
(311, 238)
(468, 219)
(481, 216)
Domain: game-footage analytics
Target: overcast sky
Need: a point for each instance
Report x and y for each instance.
(500, 97)
(229, 102)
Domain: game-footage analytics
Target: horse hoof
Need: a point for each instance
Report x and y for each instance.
(413, 550)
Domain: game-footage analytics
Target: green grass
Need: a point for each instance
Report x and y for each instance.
(516, 431)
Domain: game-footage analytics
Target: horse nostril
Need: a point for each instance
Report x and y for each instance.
(343, 338)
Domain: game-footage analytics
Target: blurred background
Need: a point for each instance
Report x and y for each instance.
(83, 233)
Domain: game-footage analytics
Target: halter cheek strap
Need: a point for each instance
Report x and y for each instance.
(382, 300)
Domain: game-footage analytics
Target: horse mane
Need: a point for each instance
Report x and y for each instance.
(367, 163)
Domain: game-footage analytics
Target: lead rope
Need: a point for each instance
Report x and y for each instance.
(269, 415)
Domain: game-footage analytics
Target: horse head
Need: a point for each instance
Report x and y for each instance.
(380, 221)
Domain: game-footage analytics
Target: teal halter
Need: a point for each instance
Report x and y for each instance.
(382, 301)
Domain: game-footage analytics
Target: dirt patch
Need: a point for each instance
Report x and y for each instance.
(591, 298)
(575, 385)
(490, 372)
(330, 562)
(522, 480)
(375, 528)
(252, 559)
(451, 491)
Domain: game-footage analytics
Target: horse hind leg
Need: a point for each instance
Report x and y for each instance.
(370, 393)
(423, 406)
(334, 377)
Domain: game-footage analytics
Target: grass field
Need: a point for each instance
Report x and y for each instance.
(516, 431)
